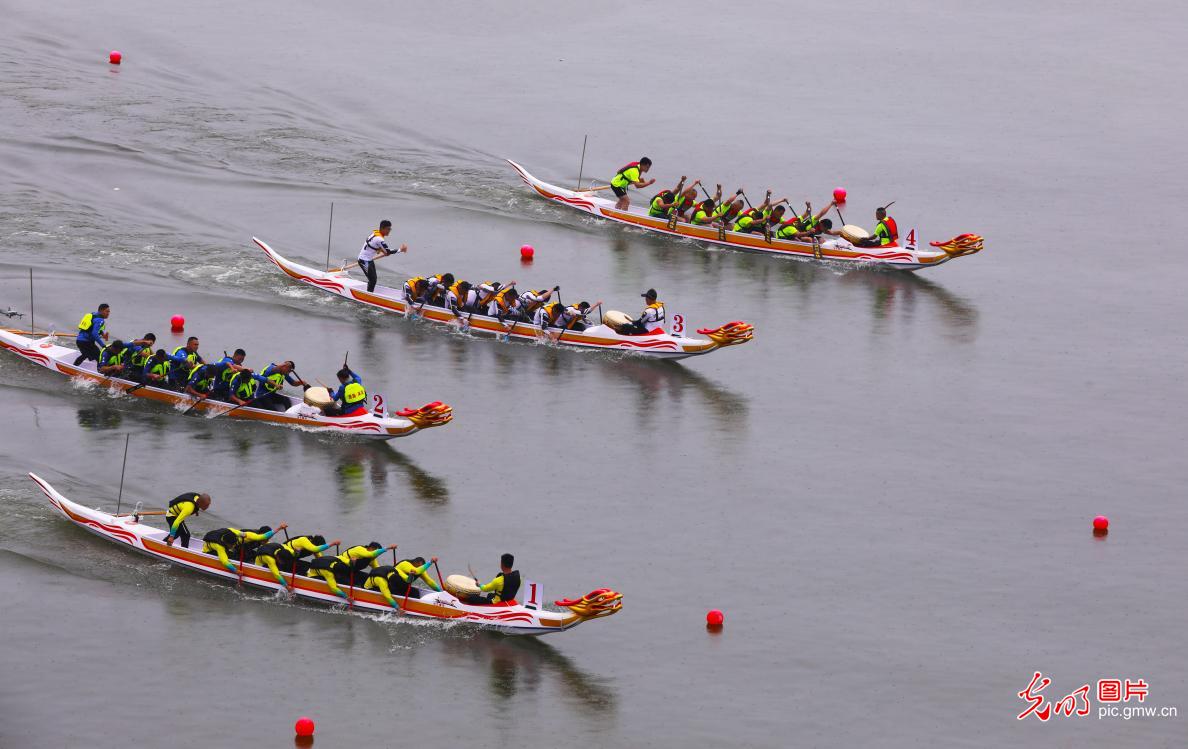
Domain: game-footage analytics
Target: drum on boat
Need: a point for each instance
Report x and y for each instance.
(461, 586)
(616, 319)
(318, 397)
(854, 233)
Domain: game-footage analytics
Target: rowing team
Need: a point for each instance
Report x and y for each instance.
(185, 370)
(769, 219)
(357, 566)
(509, 305)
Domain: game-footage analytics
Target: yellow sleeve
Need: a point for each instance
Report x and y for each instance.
(304, 544)
(253, 536)
(187, 510)
(495, 586)
(428, 579)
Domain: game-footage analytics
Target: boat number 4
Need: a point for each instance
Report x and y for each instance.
(909, 242)
(678, 325)
(531, 594)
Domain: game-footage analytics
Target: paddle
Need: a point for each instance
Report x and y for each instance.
(134, 388)
(241, 405)
(142, 513)
(340, 269)
(196, 404)
(563, 331)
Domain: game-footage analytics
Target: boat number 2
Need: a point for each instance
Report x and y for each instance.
(678, 325)
(379, 403)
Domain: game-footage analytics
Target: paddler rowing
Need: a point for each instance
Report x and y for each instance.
(714, 219)
(505, 613)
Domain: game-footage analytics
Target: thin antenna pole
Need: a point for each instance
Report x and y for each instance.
(329, 234)
(582, 168)
(32, 321)
(127, 439)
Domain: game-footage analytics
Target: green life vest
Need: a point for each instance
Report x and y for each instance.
(353, 393)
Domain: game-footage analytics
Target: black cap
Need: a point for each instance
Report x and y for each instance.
(649, 293)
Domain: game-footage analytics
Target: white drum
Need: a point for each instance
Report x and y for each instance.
(854, 233)
(616, 319)
(461, 586)
(318, 397)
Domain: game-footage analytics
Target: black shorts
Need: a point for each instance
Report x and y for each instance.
(620, 191)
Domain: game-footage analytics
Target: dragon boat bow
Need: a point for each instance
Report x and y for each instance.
(909, 256)
(56, 358)
(527, 617)
(659, 345)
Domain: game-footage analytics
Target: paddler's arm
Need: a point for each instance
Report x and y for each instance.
(821, 214)
(423, 573)
(187, 510)
(253, 536)
(495, 586)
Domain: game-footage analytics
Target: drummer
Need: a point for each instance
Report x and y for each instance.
(398, 581)
(885, 231)
(181, 507)
(651, 318)
(350, 399)
(503, 587)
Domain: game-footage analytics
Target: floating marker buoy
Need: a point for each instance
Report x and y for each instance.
(114, 57)
(304, 726)
(177, 323)
(715, 618)
(526, 252)
(1101, 523)
(839, 195)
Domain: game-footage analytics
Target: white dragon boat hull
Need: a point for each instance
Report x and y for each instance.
(509, 618)
(834, 250)
(46, 353)
(596, 337)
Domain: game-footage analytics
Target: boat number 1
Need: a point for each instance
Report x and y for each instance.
(531, 603)
(678, 325)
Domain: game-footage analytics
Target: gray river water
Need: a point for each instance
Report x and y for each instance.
(888, 493)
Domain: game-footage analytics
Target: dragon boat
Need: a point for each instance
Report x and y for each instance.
(601, 337)
(908, 256)
(45, 352)
(526, 617)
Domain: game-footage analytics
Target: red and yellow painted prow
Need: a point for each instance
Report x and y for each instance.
(595, 604)
(433, 414)
(730, 334)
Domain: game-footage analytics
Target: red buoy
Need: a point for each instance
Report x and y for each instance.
(115, 57)
(177, 323)
(526, 252)
(1101, 523)
(715, 618)
(839, 195)
(304, 726)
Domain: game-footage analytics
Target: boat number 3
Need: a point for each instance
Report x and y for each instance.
(678, 325)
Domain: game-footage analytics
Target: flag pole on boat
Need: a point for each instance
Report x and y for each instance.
(581, 168)
(123, 466)
(32, 320)
(329, 234)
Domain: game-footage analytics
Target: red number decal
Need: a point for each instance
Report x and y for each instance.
(678, 324)
(911, 237)
(379, 402)
(532, 593)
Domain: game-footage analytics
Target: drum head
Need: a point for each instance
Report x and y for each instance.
(318, 396)
(854, 233)
(461, 585)
(615, 318)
